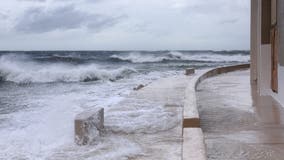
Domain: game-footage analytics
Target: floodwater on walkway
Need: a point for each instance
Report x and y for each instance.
(237, 124)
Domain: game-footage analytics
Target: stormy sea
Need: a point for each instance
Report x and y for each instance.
(42, 91)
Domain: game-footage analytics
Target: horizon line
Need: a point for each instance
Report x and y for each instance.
(83, 50)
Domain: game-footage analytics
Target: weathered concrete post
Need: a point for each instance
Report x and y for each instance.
(88, 125)
(189, 71)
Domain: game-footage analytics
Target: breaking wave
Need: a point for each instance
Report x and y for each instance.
(137, 57)
(14, 69)
(65, 66)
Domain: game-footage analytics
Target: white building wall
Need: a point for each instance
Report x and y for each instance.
(280, 96)
(263, 53)
(265, 70)
(280, 21)
(258, 42)
(254, 45)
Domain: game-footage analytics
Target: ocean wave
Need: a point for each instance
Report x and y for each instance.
(13, 69)
(137, 57)
(58, 58)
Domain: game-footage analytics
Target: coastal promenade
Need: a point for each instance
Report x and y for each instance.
(146, 125)
(168, 118)
(236, 122)
(152, 118)
(162, 119)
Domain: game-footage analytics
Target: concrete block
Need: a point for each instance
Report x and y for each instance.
(88, 126)
(193, 147)
(190, 112)
(189, 71)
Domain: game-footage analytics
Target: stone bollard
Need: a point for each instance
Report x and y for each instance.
(189, 71)
(88, 125)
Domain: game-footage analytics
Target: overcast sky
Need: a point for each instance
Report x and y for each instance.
(124, 24)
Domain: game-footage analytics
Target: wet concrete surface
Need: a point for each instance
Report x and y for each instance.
(238, 124)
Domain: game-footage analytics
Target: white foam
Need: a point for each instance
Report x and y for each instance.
(45, 130)
(32, 134)
(137, 57)
(108, 147)
(19, 70)
(147, 119)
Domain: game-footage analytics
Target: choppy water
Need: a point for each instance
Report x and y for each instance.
(42, 91)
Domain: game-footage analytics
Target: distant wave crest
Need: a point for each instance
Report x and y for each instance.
(137, 57)
(14, 69)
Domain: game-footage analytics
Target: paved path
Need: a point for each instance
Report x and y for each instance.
(238, 125)
(146, 125)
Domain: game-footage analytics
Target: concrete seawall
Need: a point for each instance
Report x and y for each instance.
(193, 140)
(160, 118)
(220, 70)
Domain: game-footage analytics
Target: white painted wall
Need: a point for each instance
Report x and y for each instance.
(258, 42)
(263, 57)
(280, 20)
(264, 82)
(262, 54)
(253, 44)
(280, 96)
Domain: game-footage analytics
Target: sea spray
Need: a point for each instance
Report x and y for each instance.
(137, 57)
(37, 120)
(148, 119)
(16, 70)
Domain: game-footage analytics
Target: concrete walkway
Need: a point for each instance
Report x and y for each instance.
(237, 124)
(152, 119)
(146, 125)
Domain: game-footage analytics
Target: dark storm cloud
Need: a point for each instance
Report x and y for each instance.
(39, 20)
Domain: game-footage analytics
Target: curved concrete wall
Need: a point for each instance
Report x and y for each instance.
(190, 114)
(193, 139)
(220, 70)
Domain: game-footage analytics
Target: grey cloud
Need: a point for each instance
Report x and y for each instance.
(142, 27)
(229, 21)
(3, 16)
(94, 1)
(32, 0)
(39, 20)
(148, 28)
(207, 7)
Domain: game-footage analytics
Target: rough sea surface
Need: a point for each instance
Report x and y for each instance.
(42, 91)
